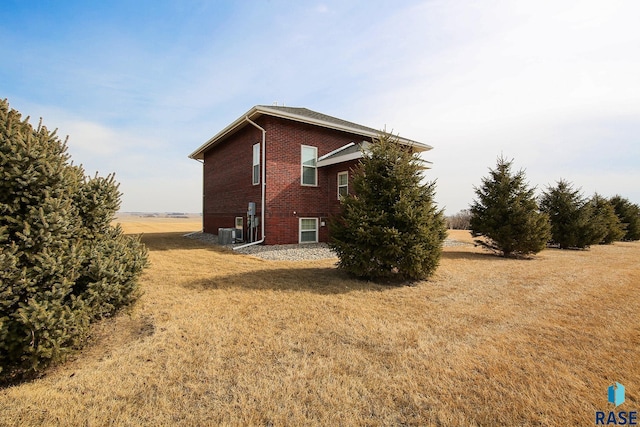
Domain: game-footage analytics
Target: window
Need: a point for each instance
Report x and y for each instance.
(308, 230)
(256, 164)
(309, 169)
(239, 227)
(343, 184)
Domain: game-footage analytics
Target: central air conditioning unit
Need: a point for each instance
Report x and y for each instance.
(226, 236)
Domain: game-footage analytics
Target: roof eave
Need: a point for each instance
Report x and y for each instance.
(238, 123)
(259, 110)
(336, 151)
(339, 159)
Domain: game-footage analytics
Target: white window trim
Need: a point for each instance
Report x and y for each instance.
(255, 177)
(300, 230)
(302, 166)
(338, 182)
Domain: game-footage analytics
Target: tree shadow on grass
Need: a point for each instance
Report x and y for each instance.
(318, 280)
(177, 241)
(471, 256)
(481, 256)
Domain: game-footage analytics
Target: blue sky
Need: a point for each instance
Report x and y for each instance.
(138, 85)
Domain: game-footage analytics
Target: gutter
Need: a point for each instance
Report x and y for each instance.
(259, 110)
(263, 186)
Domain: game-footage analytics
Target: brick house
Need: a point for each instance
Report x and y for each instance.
(291, 164)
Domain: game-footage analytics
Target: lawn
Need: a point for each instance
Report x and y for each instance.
(220, 338)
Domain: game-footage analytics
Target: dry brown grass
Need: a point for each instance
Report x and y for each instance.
(225, 339)
(137, 225)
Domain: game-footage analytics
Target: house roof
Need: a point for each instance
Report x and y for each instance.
(353, 151)
(303, 115)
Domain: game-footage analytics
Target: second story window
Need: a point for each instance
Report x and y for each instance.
(343, 184)
(255, 179)
(309, 156)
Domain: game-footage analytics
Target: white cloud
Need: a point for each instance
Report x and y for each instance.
(322, 8)
(529, 80)
(507, 64)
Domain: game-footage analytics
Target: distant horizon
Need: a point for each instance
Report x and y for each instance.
(158, 213)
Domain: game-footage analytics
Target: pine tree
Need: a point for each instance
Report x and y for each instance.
(390, 226)
(505, 214)
(62, 264)
(571, 217)
(606, 225)
(629, 214)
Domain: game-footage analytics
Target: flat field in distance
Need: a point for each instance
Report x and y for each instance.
(220, 338)
(140, 224)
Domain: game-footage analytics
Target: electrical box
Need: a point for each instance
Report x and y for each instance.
(251, 210)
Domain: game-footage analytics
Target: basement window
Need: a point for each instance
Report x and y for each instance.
(308, 230)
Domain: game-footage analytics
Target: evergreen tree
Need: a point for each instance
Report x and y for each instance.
(571, 217)
(62, 264)
(389, 227)
(629, 214)
(606, 225)
(505, 214)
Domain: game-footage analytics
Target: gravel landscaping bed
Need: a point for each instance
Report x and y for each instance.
(307, 251)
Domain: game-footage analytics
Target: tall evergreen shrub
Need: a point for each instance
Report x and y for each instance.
(629, 214)
(389, 226)
(607, 227)
(571, 217)
(62, 263)
(505, 214)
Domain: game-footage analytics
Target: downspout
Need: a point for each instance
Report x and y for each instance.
(264, 184)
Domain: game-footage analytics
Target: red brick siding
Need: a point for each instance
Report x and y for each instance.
(287, 199)
(332, 190)
(332, 185)
(227, 178)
